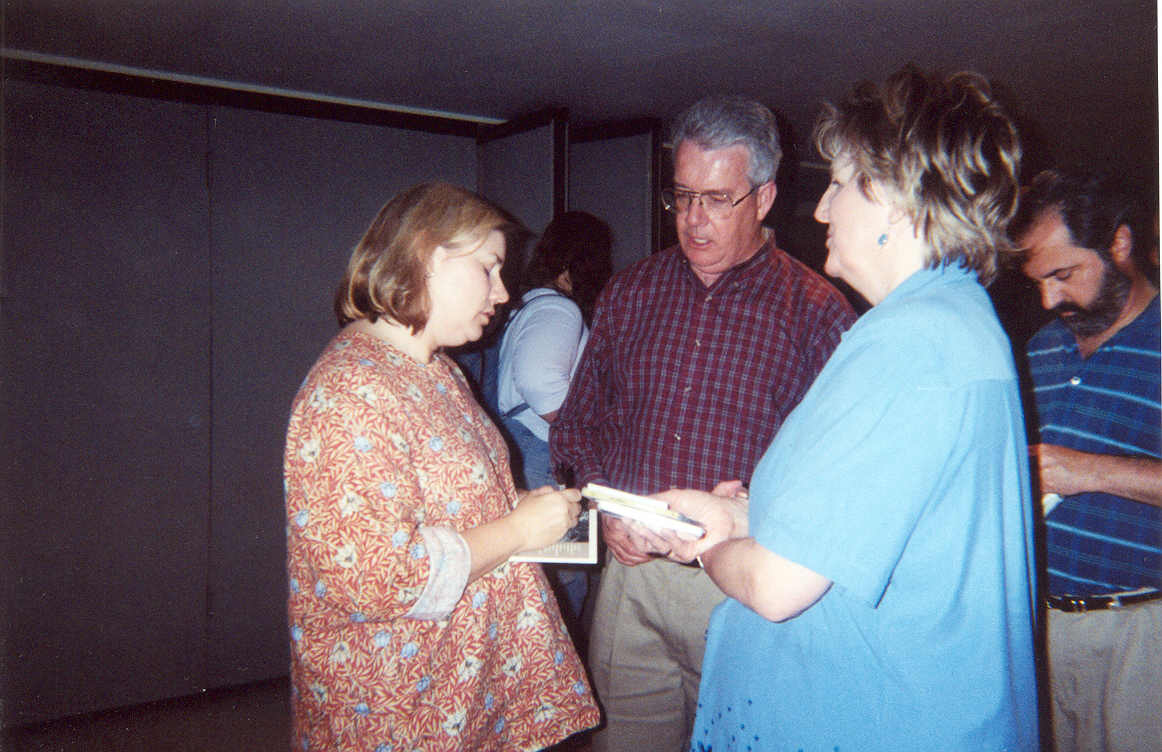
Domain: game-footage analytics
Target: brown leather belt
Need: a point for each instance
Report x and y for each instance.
(1078, 603)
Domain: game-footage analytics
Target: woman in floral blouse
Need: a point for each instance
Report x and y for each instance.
(409, 627)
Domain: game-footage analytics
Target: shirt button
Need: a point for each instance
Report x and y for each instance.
(709, 297)
(697, 343)
(677, 437)
(1075, 380)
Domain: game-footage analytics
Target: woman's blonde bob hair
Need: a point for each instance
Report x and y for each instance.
(946, 150)
(386, 275)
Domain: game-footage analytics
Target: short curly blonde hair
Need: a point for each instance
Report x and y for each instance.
(947, 149)
(386, 274)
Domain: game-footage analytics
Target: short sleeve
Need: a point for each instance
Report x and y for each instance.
(846, 480)
(545, 351)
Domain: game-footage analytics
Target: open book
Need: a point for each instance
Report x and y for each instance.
(578, 546)
(652, 513)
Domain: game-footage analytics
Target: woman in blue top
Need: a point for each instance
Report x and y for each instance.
(880, 575)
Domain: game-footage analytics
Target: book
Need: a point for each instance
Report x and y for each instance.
(652, 513)
(577, 546)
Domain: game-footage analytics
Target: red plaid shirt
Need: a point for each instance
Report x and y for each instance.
(683, 385)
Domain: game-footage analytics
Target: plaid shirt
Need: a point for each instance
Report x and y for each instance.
(1107, 403)
(683, 385)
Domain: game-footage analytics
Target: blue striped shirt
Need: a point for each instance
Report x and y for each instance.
(1108, 403)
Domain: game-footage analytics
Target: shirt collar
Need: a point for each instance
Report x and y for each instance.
(950, 274)
(741, 273)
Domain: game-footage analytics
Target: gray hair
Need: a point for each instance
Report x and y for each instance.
(717, 122)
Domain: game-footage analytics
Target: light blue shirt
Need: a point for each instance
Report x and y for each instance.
(902, 477)
(539, 352)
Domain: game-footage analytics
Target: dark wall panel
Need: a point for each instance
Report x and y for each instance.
(291, 198)
(612, 178)
(517, 172)
(106, 396)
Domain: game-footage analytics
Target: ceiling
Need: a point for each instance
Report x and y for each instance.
(1082, 76)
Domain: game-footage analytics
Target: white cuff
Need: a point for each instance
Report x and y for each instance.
(450, 563)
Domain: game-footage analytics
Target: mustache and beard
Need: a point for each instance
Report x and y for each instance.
(1095, 318)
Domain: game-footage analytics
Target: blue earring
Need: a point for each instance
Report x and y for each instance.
(882, 240)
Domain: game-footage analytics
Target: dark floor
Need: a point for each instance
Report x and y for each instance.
(254, 718)
(251, 718)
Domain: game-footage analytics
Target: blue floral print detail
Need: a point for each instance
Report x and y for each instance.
(382, 639)
(499, 725)
(423, 683)
(559, 657)
(479, 599)
(366, 362)
(385, 747)
(296, 633)
(441, 388)
(362, 709)
(453, 507)
(489, 701)
(320, 589)
(388, 490)
(363, 444)
(399, 537)
(492, 630)
(294, 585)
(302, 517)
(580, 688)
(409, 650)
(358, 618)
(436, 443)
(418, 551)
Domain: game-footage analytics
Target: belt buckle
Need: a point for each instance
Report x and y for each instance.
(1082, 605)
(1086, 603)
(1075, 604)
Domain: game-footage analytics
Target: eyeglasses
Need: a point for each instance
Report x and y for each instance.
(678, 201)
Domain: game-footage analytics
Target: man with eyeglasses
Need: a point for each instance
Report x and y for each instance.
(696, 356)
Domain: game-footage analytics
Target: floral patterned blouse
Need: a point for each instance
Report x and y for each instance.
(386, 458)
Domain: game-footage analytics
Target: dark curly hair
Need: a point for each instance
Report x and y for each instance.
(581, 244)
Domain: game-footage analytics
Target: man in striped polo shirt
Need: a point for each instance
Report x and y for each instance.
(1096, 373)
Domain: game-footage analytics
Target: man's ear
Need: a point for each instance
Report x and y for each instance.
(1123, 246)
(765, 198)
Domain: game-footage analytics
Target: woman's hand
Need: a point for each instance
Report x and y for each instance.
(723, 513)
(543, 516)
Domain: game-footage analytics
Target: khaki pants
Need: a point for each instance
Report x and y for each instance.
(1105, 679)
(645, 653)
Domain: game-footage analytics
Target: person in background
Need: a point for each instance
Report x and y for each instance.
(539, 351)
(880, 575)
(696, 355)
(409, 627)
(1096, 376)
(546, 334)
